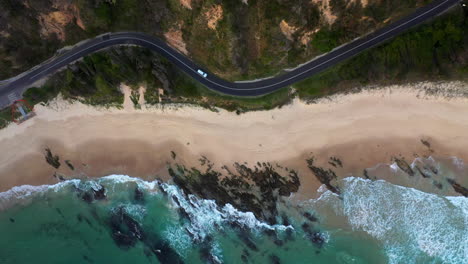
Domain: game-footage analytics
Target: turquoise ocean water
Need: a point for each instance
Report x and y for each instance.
(134, 221)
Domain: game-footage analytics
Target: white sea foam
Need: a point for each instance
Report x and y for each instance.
(25, 193)
(150, 186)
(206, 216)
(458, 162)
(414, 227)
(394, 167)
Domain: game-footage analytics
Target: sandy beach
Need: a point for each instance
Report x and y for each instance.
(361, 129)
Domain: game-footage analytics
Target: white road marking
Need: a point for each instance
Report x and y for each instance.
(12, 97)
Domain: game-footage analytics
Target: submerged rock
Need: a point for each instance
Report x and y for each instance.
(139, 196)
(125, 230)
(87, 259)
(207, 256)
(91, 195)
(274, 259)
(310, 217)
(314, 236)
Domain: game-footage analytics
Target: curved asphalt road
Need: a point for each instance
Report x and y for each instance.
(13, 88)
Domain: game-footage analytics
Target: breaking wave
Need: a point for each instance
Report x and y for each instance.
(413, 226)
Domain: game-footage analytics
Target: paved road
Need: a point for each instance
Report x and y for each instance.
(12, 89)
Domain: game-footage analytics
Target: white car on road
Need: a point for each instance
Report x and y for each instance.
(202, 73)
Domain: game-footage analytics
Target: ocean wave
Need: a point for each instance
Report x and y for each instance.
(413, 226)
(206, 217)
(25, 193)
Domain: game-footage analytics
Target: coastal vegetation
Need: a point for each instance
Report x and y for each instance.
(246, 40)
(434, 51)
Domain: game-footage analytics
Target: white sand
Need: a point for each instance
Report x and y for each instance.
(361, 122)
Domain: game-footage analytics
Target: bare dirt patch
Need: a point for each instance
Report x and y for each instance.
(325, 9)
(287, 30)
(175, 39)
(56, 21)
(306, 37)
(186, 3)
(213, 15)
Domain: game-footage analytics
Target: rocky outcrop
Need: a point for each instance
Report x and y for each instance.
(55, 22)
(325, 176)
(254, 189)
(458, 188)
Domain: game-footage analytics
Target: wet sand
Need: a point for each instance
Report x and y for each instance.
(361, 129)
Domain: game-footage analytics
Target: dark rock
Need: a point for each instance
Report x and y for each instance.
(289, 235)
(324, 176)
(139, 195)
(92, 194)
(87, 197)
(269, 232)
(52, 160)
(12, 220)
(274, 259)
(278, 242)
(366, 174)
(458, 188)
(59, 212)
(310, 217)
(88, 222)
(99, 194)
(163, 251)
(285, 220)
(148, 253)
(423, 174)
(255, 190)
(247, 241)
(426, 143)
(183, 213)
(318, 239)
(69, 165)
(314, 236)
(404, 166)
(87, 259)
(437, 184)
(207, 257)
(335, 162)
(125, 230)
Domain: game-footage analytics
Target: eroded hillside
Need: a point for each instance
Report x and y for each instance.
(245, 38)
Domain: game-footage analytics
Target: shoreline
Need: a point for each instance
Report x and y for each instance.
(362, 129)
